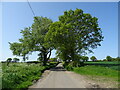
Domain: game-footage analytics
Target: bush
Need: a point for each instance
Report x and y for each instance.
(69, 67)
(8, 61)
(109, 58)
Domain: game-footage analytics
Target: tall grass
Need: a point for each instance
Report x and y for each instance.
(20, 75)
(97, 71)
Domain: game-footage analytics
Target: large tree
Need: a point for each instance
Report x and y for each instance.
(39, 29)
(33, 40)
(33, 37)
(75, 33)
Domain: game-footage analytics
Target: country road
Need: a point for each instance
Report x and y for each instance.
(59, 78)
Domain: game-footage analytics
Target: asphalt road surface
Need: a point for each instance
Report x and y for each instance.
(60, 78)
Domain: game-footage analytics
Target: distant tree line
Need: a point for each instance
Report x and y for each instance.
(109, 58)
(9, 60)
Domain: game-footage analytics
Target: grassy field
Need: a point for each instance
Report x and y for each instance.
(97, 70)
(103, 72)
(100, 74)
(104, 62)
(112, 65)
(21, 75)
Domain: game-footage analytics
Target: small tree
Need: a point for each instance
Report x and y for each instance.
(117, 59)
(85, 58)
(8, 61)
(109, 58)
(93, 58)
(104, 60)
(16, 59)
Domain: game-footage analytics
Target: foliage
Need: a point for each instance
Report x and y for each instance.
(109, 58)
(53, 59)
(21, 75)
(8, 61)
(85, 58)
(33, 40)
(16, 59)
(74, 34)
(19, 49)
(93, 58)
(117, 59)
(39, 29)
(69, 67)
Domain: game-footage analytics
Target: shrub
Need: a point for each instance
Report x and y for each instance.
(93, 58)
(69, 67)
(109, 58)
(16, 59)
(8, 61)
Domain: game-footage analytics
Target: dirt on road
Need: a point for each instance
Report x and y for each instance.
(60, 78)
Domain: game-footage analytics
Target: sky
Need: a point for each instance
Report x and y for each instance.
(17, 15)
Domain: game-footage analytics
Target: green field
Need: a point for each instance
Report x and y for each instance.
(105, 72)
(112, 65)
(97, 70)
(99, 74)
(115, 62)
(21, 75)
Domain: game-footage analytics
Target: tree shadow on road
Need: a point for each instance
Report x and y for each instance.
(57, 69)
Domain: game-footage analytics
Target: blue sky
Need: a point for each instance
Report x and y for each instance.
(17, 15)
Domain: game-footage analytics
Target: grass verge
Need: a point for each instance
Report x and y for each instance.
(98, 73)
(21, 75)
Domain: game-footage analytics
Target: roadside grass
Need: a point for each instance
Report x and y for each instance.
(103, 75)
(21, 75)
(97, 70)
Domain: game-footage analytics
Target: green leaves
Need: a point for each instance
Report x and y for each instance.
(33, 39)
(75, 33)
(19, 74)
(93, 58)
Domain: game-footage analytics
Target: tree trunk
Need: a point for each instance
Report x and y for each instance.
(44, 59)
(45, 53)
(24, 58)
(49, 55)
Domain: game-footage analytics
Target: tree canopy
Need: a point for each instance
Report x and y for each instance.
(33, 40)
(75, 33)
(93, 58)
